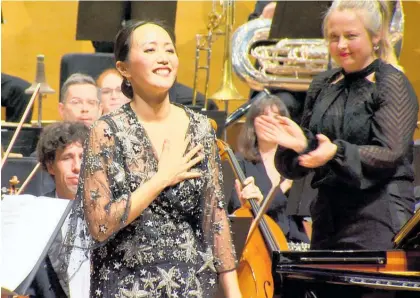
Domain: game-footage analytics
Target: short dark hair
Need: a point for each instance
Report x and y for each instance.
(123, 46)
(77, 79)
(247, 141)
(57, 136)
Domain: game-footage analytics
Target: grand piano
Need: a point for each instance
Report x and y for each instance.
(319, 274)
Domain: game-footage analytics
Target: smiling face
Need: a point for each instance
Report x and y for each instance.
(349, 42)
(152, 62)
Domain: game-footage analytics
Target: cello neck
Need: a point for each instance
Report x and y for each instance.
(262, 224)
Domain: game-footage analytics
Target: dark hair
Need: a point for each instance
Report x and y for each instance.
(247, 141)
(57, 136)
(123, 46)
(77, 79)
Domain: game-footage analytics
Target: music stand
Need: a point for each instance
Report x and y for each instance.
(101, 20)
(298, 19)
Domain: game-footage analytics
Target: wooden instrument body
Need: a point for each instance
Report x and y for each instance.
(254, 269)
(255, 265)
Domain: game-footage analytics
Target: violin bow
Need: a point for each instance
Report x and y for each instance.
(19, 127)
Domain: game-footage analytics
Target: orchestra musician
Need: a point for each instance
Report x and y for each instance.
(80, 102)
(155, 216)
(256, 158)
(79, 99)
(109, 84)
(356, 133)
(59, 151)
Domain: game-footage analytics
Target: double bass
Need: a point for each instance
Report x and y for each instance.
(254, 268)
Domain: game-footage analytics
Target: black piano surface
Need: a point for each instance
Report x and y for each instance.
(319, 274)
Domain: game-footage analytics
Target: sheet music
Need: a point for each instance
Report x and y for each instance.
(27, 224)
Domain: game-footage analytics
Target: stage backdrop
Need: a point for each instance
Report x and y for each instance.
(49, 28)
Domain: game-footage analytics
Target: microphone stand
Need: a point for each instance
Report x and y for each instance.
(243, 109)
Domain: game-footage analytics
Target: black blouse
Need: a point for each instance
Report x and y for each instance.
(366, 192)
(372, 124)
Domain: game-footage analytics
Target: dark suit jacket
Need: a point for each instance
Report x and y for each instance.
(277, 208)
(182, 94)
(46, 283)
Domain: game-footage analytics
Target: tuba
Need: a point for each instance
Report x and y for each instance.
(288, 63)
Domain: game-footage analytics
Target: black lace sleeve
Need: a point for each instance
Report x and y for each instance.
(392, 131)
(286, 160)
(216, 225)
(104, 193)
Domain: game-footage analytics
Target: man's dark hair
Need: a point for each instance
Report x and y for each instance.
(57, 136)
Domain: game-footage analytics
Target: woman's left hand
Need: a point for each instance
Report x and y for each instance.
(321, 155)
(248, 191)
(286, 185)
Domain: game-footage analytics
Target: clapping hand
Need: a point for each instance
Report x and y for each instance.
(286, 185)
(174, 167)
(282, 131)
(321, 155)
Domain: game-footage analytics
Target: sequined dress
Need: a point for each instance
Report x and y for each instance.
(176, 247)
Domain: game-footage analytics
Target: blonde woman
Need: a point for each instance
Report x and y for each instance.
(356, 133)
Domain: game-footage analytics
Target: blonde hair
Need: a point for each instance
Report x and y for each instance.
(376, 18)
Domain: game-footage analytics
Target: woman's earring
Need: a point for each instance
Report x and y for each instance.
(127, 82)
(376, 47)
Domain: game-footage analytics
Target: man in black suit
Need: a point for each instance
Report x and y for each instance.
(13, 97)
(60, 150)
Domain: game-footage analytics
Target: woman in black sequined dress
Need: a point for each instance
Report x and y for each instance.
(151, 186)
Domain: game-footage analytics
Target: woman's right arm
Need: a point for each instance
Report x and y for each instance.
(109, 204)
(286, 160)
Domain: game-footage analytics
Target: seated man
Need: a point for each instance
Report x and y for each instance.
(79, 99)
(60, 150)
(13, 97)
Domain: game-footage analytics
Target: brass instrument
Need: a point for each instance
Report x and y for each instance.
(44, 89)
(287, 63)
(227, 90)
(38, 88)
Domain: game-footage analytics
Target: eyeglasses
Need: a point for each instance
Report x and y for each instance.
(78, 102)
(108, 91)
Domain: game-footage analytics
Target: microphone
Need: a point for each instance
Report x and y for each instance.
(243, 109)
